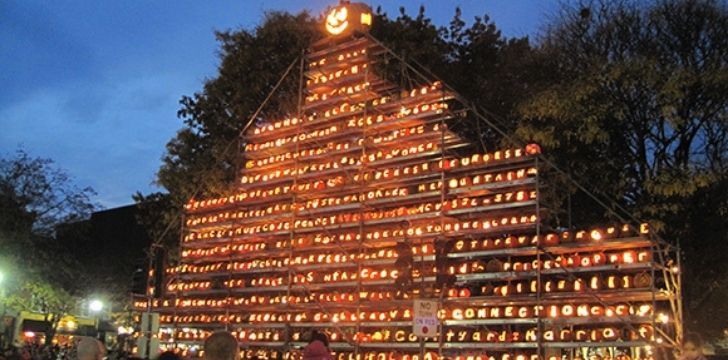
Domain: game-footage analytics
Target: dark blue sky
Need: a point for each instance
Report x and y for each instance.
(94, 85)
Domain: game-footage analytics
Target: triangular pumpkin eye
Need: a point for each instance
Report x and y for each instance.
(341, 14)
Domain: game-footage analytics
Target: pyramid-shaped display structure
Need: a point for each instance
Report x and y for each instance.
(365, 202)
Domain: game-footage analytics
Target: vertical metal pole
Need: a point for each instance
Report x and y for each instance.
(294, 199)
(443, 289)
(679, 334)
(177, 290)
(539, 286)
(655, 249)
(150, 298)
(230, 279)
(2, 317)
(568, 206)
(360, 243)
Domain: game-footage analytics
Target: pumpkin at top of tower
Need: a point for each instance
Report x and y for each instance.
(347, 18)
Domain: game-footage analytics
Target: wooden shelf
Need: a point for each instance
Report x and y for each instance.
(615, 244)
(623, 295)
(514, 275)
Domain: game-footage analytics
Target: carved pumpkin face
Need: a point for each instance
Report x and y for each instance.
(337, 20)
(348, 18)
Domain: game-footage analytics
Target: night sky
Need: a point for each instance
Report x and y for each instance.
(95, 85)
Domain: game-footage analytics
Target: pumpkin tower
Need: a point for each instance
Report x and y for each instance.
(367, 201)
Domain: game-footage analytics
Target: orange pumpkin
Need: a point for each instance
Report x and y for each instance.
(533, 149)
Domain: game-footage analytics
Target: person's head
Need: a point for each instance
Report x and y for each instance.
(692, 347)
(90, 349)
(169, 355)
(221, 346)
(316, 335)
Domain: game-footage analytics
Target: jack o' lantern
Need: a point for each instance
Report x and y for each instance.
(511, 241)
(533, 149)
(642, 280)
(629, 257)
(346, 18)
(567, 237)
(452, 293)
(551, 240)
(599, 259)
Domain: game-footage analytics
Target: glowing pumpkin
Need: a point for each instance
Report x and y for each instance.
(346, 18)
(533, 149)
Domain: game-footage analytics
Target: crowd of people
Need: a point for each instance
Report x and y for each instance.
(218, 346)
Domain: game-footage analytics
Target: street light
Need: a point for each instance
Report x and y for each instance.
(95, 305)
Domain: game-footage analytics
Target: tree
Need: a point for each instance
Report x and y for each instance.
(44, 298)
(489, 70)
(159, 216)
(201, 160)
(639, 112)
(36, 199)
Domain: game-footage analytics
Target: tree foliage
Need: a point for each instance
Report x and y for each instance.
(202, 159)
(44, 298)
(638, 112)
(36, 198)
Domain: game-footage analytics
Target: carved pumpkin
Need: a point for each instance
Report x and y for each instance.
(494, 265)
(533, 149)
(642, 280)
(551, 240)
(599, 259)
(629, 257)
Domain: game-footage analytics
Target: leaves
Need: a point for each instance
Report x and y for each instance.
(37, 201)
(42, 297)
(637, 116)
(35, 196)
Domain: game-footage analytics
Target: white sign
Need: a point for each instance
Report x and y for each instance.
(424, 322)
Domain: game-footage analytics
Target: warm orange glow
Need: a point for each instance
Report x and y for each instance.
(345, 213)
(337, 20)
